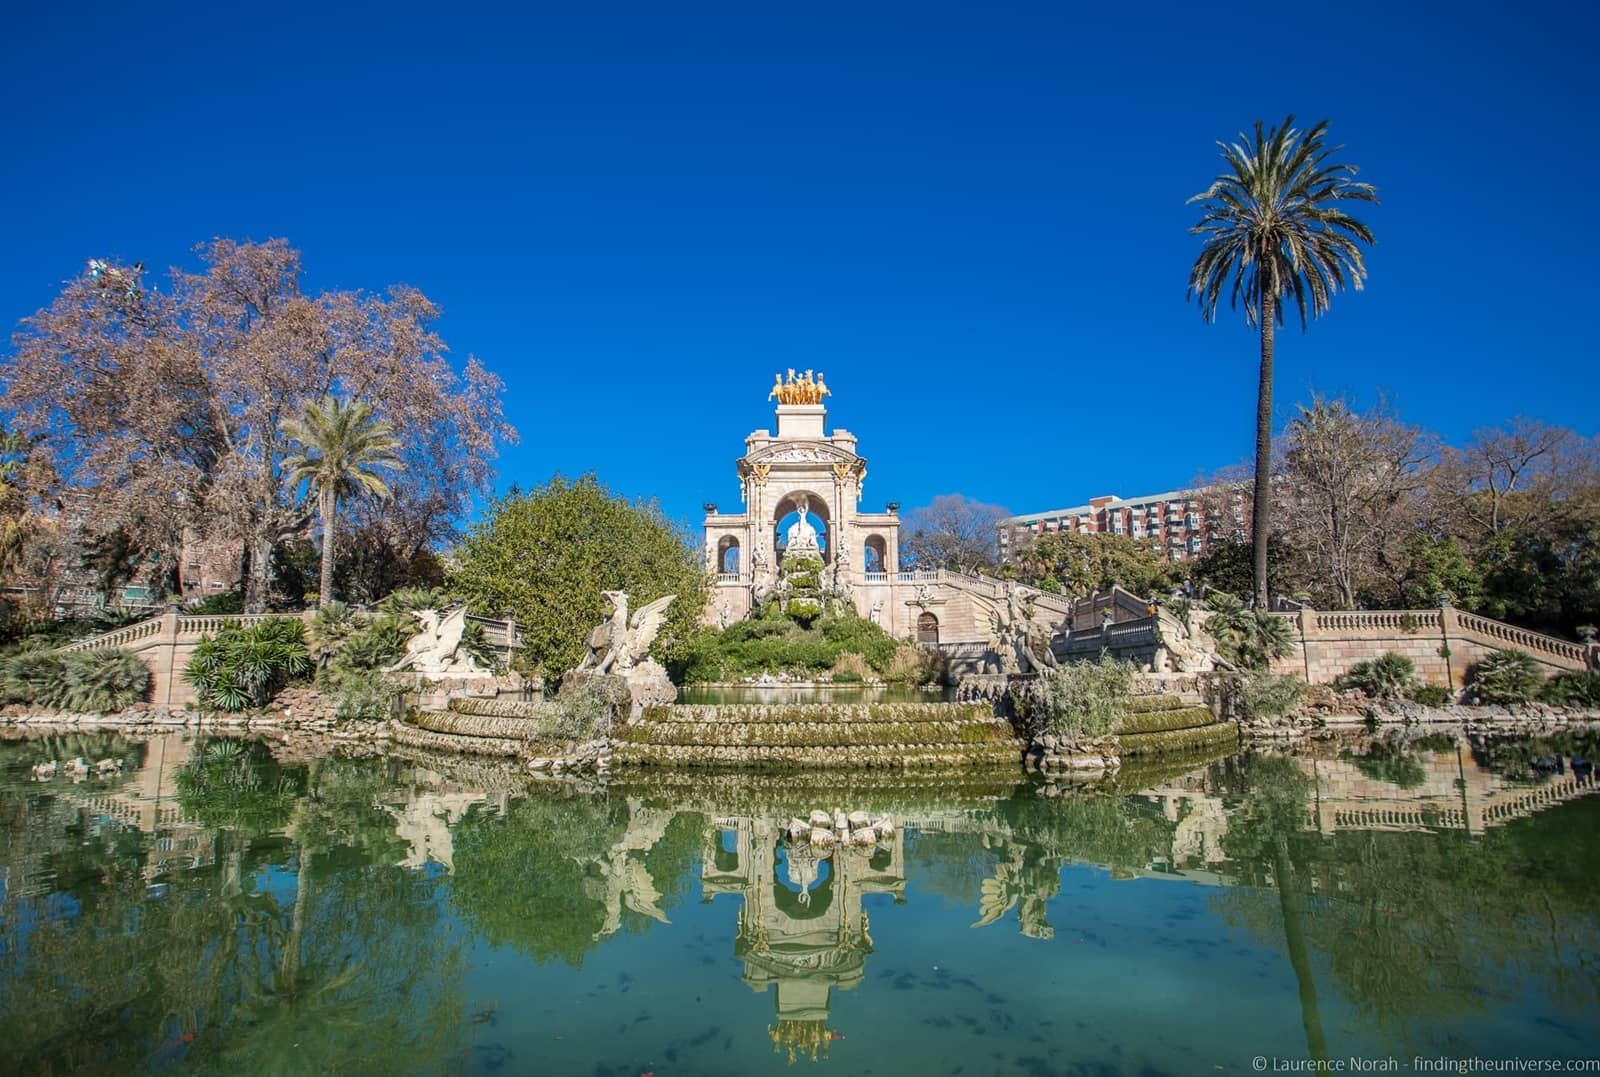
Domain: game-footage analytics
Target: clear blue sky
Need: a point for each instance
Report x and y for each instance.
(971, 218)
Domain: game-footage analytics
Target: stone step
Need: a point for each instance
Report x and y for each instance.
(821, 713)
(1156, 721)
(814, 734)
(1217, 734)
(1141, 704)
(502, 708)
(1008, 754)
(480, 725)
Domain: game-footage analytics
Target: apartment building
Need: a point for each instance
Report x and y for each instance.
(1180, 523)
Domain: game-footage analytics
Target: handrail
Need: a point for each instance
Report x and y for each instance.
(117, 637)
(1520, 637)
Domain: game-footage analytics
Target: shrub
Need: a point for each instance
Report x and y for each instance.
(362, 696)
(377, 644)
(213, 605)
(850, 668)
(584, 709)
(1248, 638)
(81, 681)
(1389, 676)
(1506, 677)
(240, 668)
(412, 599)
(1573, 689)
(1081, 699)
(912, 664)
(102, 681)
(1432, 695)
(1268, 695)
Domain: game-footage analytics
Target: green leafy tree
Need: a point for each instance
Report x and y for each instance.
(1431, 566)
(1274, 223)
(344, 448)
(1083, 564)
(547, 555)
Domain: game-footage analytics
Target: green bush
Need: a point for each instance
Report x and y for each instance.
(1432, 695)
(412, 599)
(584, 710)
(1573, 689)
(1389, 676)
(1506, 677)
(1247, 638)
(214, 605)
(749, 648)
(240, 668)
(1081, 699)
(362, 696)
(1268, 695)
(83, 682)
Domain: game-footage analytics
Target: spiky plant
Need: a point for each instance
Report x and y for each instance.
(344, 449)
(245, 667)
(1274, 224)
(1506, 677)
(1389, 676)
(1247, 638)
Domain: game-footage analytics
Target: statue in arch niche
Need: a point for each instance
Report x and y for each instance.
(802, 537)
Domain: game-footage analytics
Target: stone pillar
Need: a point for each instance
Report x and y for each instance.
(166, 658)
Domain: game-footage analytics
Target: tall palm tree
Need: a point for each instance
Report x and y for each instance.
(1274, 222)
(343, 449)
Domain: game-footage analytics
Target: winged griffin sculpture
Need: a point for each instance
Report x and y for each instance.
(620, 643)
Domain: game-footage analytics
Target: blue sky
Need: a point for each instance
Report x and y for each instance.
(971, 217)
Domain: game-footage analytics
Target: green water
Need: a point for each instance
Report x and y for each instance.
(788, 693)
(216, 907)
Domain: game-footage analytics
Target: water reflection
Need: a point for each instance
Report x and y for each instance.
(224, 905)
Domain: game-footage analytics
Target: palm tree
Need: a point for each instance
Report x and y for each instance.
(1274, 222)
(343, 449)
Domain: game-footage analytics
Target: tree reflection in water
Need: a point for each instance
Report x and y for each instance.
(214, 906)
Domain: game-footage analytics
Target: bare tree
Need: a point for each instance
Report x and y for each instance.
(167, 409)
(1349, 489)
(953, 531)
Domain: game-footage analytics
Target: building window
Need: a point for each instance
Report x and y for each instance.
(927, 628)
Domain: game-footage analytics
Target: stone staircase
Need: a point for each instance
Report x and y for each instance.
(1165, 724)
(819, 735)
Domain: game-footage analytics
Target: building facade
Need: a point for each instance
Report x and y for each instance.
(1181, 524)
(802, 486)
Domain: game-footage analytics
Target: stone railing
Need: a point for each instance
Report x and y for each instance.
(1329, 621)
(119, 637)
(1511, 636)
(210, 624)
(874, 577)
(724, 578)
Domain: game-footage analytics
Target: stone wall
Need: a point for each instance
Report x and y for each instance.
(1443, 644)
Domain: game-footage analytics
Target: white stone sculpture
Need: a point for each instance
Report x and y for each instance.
(435, 651)
(802, 536)
(620, 643)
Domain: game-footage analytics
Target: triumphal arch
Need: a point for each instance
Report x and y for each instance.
(801, 491)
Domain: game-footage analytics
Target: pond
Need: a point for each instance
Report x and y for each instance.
(220, 906)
